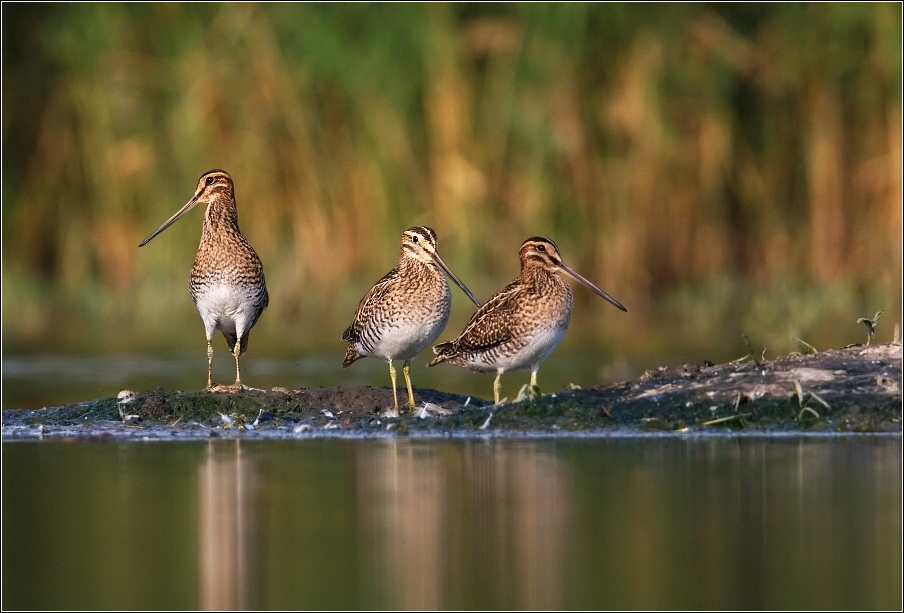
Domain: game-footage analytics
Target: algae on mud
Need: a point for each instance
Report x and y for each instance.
(855, 389)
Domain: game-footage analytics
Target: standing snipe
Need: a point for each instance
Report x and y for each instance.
(406, 310)
(227, 279)
(523, 323)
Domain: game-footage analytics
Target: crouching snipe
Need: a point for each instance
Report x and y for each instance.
(519, 326)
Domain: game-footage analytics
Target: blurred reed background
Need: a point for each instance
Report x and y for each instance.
(720, 169)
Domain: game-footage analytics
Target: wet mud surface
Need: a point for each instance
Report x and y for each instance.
(855, 389)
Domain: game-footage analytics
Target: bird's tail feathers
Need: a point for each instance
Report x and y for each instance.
(443, 351)
(230, 342)
(350, 356)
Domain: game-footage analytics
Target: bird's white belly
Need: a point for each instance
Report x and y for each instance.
(404, 340)
(225, 308)
(541, 343)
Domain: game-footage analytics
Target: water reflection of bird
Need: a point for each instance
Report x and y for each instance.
(522, 324)
(406, 310)
(227, 278)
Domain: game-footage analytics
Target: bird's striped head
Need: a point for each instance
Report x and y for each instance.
(419, 243)
(542, 251)
(212, 183)
(539, 251)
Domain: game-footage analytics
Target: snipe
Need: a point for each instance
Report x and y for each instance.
(227, 278)
(519, 326)
(406, 310)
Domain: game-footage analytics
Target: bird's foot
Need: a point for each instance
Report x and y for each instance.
(394, 412)
(227, 389)
(528, 392)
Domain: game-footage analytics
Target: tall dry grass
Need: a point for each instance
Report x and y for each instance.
(717, 168)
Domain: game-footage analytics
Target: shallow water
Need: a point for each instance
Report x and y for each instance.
(810, 523)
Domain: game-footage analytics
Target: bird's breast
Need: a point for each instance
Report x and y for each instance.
(408, 320)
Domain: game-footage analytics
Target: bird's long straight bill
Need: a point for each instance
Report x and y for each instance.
(458, 282)
(166, 224)
(591, 286)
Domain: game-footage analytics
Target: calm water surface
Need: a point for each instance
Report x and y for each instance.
(812, 523)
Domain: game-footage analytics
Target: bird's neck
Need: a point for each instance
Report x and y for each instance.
(411, 263)
(221, 217)
(541, 277)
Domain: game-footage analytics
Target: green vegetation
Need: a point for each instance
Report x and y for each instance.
(871, 325)
(717, 168)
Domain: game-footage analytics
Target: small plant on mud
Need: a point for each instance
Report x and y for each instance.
(750, 354)
(871, 325)
(803, 398)
(805, 348)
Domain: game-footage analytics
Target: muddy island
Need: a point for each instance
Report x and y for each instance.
(854, 389)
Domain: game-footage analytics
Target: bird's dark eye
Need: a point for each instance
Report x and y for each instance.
(541, 247)
(209, 180)
(414, 238)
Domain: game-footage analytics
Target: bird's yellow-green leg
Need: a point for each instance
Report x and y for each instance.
(392, 376)
(408, 384)
(497, 387)
(236, 351)
(209, 363)
(533, 391)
